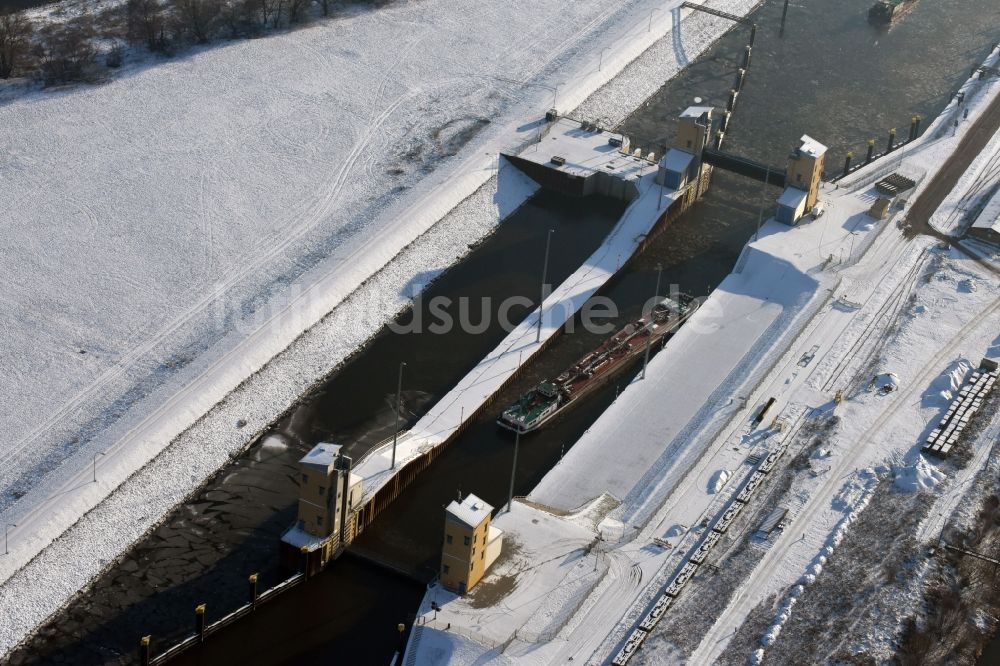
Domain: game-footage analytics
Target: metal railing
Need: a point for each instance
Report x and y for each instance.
(218, 625)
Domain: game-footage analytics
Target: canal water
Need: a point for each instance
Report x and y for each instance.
(831, 75)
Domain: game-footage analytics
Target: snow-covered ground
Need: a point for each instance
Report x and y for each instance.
(272, 178)
(852, 307)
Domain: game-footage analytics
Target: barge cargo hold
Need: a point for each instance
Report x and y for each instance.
(541, 404)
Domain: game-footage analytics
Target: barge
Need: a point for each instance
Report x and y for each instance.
(544, 402)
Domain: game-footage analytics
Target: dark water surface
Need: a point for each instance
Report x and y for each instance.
(832, 76)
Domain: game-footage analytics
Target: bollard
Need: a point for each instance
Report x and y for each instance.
(724, 125)
(753, 33)
(871, 151)
(253, 591)
(892, 140)
(144, 650)
(199, 622)
(847, 163)
(305, 561)
(741, 75)
(731, 104)
(916, 126)
(746, 57)
(913, 127)
(718, 140)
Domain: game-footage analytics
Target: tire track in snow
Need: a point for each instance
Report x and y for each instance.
(316, 213)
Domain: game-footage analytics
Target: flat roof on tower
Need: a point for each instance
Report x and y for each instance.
(696, 111)
(811, 146)
(321, 454)
(470, 511)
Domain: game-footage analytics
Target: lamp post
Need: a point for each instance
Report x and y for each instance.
(6, 532)
(545, 276)
(763, 198)
(399, 395)
(513, 468)
(649, 338)
(99, 453)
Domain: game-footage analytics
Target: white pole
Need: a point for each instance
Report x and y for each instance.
(513, 468)
(763, 195)
(649, 337)
(399, 393)
(545, 274)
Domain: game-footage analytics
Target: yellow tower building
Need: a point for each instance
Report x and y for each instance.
(329, 494)
(682, 163)
(802, 180)
(694, 129)
(471, 543)
(805, 168)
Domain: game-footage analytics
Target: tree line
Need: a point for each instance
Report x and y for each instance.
(84, 48)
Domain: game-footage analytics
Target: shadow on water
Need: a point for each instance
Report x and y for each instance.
(831, 76)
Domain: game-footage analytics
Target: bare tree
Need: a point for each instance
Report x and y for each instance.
(197, 17)
(66, 53)
(146, 23)
(297, 10)
(266, 10)
(232, 17)
(15, 35)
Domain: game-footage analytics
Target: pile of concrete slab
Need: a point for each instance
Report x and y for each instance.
(960, 412)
